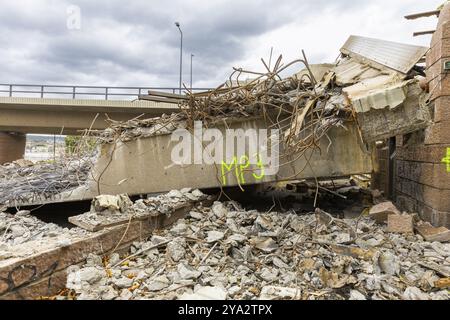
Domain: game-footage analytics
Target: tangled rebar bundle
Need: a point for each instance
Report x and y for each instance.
(24, 182)
(302, 108)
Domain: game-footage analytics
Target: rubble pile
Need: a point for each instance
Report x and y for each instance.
(28, 232)
(139, 128)
(108, 210)
(25, 182)
(226, 252)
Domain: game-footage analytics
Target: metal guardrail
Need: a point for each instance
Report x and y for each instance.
(74, 92)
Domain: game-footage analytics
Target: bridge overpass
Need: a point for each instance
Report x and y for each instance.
(69, 116)
(60, 109)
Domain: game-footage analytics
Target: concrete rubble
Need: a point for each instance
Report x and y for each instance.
(22, 234)
(108, 210)
(223, 251)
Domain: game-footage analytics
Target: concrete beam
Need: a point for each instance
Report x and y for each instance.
(53, 116)
(144, 165)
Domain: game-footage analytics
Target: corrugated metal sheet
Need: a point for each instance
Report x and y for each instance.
(351, 71)
(397, 56)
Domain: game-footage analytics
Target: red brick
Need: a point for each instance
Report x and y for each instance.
(430, 233)
(436, 69)
(433, 175)
(440, 86)
(444, 219)
(405, 203)
(381, 211)
(435, 217)
(438, 133)
(442, 109)
(439, 46)
(435, 198)
(422, 153)
(445, 13)
(400, 223)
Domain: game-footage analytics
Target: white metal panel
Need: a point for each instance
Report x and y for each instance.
(398, 56)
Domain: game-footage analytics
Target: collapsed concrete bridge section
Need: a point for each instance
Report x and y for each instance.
(385, 99)
(379, 83)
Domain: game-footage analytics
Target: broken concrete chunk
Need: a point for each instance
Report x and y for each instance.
(93, 260)
(196, 215)
(400, 223)
(206, 293)
(219, 210)
(112, 203)
(176, 249)
(356, 295)
(175, 194)
(380, 212)
(279, 263)
(197, 193)
(123, 282)
(158, 284)
(414, 293)
(23, 213)
(187, 272)
(108, 293)
(264, 223)
(389, 263)
(214, 236)
(89, 274)
(265, 244)
(279, 293)
(430, 233)
(114, 259)
(238, 238)
(269, 275)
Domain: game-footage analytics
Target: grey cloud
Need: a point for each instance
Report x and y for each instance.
(126, 42)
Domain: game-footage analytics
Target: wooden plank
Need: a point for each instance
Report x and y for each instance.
(442, 283)
(159, 99)
(423, 14)
(422, 33)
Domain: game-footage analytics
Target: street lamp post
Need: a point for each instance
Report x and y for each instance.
(191, 69)
(181, 54)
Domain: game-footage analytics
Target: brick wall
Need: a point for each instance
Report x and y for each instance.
(422, 183)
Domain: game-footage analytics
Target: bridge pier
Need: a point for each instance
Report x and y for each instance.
(12, 146)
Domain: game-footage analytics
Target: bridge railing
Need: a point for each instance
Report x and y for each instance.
(81, 92)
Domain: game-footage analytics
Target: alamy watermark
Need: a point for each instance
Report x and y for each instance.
(73, 21)
(245, 154)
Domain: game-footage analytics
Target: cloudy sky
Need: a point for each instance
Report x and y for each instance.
(135, 43)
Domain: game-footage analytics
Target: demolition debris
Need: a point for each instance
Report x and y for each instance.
(186, 245)
(223, 251)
